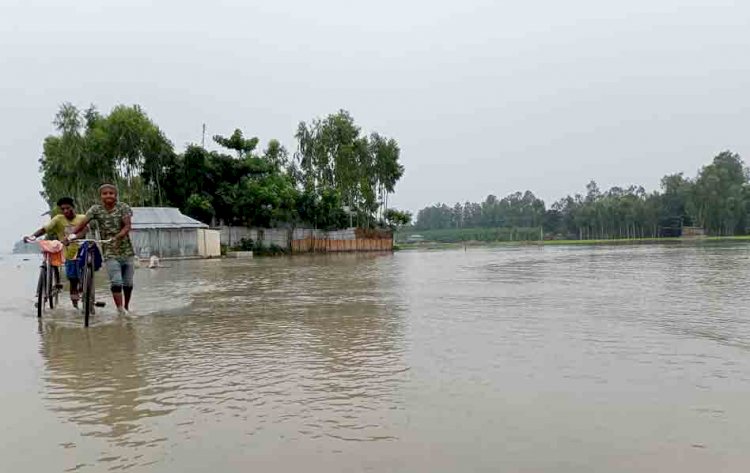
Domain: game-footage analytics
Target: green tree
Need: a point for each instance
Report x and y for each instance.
(124, 147)
(237, 142)
(337, 167)
(138, 149)
(387, 168)
(333, 155)
(397, 218)
(199, 207)
(674, 201)
(717, 201)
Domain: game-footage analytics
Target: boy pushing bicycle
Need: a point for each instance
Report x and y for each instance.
(60, 226)
(114, 219)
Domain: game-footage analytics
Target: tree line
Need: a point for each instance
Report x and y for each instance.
(717, 199)
(339, 175)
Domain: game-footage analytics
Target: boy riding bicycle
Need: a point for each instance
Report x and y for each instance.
(60, 226)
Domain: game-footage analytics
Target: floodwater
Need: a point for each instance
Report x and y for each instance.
(557, 359)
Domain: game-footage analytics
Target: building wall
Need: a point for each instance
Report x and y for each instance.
(306, 240)
(693, 232)
(209, 243)
(231, 236)
(313, 245)
(165, 243)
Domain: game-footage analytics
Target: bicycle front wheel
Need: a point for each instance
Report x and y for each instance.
(87, 284)
(50, 286)
(41, 287)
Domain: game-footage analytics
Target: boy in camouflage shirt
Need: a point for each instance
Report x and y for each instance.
(114, 219)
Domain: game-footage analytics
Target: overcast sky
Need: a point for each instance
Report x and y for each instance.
(483, 96)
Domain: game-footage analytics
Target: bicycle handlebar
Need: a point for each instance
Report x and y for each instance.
(89, 240)
(39, 241)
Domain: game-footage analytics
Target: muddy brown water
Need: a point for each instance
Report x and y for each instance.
(508, 359)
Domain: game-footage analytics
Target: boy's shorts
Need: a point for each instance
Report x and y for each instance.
(71, 270)
(120, 271)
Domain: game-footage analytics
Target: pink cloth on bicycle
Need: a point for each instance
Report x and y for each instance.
(54, 248)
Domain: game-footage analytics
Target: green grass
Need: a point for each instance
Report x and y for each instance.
(454, 235)
(636, 241)
(615, 241)
(436, 245)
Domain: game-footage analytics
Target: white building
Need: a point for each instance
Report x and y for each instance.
(167, 233)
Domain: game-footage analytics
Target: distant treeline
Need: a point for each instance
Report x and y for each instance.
(19, 247)
(717, 199)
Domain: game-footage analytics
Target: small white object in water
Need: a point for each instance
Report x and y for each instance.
(153, 262)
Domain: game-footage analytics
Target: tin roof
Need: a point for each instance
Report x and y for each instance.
(163, 217)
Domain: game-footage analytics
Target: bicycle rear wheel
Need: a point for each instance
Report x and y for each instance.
(41, 287)
(57, 286)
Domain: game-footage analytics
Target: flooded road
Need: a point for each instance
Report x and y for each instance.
(513, 359)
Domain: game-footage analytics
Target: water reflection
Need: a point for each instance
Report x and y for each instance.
(552, 359)
(306, 349)
(94, 379)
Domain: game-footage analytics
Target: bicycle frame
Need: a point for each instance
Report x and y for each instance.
(48, 290)
(87, 279)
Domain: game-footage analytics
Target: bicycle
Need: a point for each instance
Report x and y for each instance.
(87, 279)
(48, 287)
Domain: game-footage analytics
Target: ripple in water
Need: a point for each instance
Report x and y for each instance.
(523, 359)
